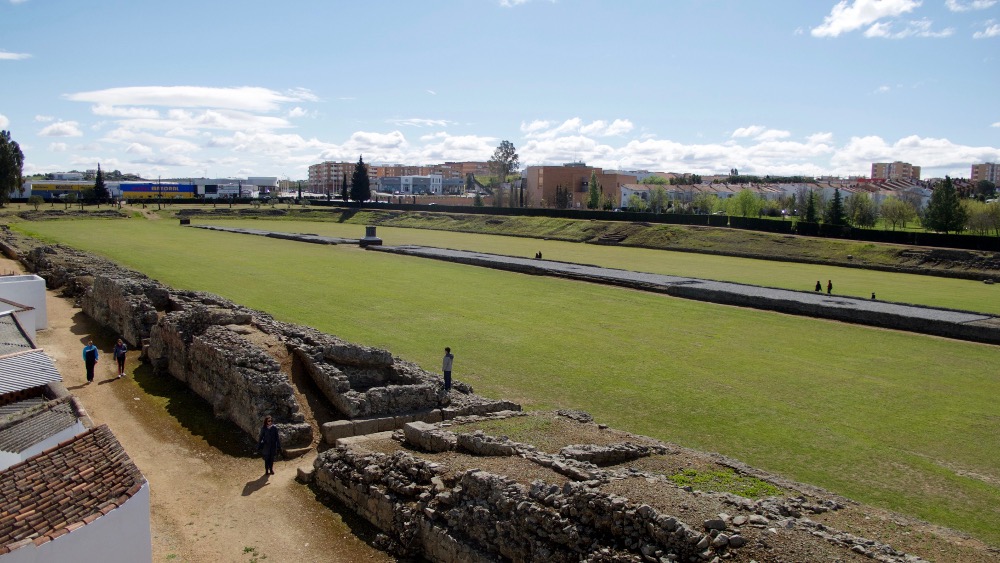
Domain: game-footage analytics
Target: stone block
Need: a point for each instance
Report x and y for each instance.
(332, 431)
(366, 426)
(386, 423)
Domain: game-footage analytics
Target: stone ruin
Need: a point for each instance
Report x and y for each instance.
(201, 339)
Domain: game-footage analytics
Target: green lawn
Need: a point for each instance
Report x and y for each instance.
(898, 420)
(905, 288)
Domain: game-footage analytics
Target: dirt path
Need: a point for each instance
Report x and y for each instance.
(207, 504)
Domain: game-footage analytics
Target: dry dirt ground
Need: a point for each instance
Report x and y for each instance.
(207, 504)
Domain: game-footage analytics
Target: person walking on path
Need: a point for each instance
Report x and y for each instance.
(819, 286)
(120, 350)
(268, 444)
(829, 287)
(446, 368)
(90, 359)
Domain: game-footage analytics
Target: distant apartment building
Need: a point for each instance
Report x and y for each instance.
(328, 177)
(989, 172)
(412, 185)
(895, 171)
(542, 182)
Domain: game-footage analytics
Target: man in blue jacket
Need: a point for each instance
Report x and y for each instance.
(90, 358)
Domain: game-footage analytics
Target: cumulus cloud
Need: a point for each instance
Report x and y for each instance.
(8, 56)
(247, 98)
(4, 122)
(44, 118)
(128, 112)
(959, 6)
(849, 16)
(759, 133)
(58, 147)
(915, 28)
(990, 29)
(62, 129)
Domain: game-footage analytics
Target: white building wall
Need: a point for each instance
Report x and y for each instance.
(27, 290)
(120, 536)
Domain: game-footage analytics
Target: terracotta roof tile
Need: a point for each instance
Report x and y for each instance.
(65, 487)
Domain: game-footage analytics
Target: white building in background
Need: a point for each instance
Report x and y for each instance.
(27, 290)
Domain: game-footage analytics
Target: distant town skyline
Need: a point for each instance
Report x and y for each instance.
(204, 89)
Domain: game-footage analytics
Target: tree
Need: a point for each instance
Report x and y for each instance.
(745, 204)
(11, 167)
(636, 203)
(360, 187)
(861, 210)
(658, 198)
(504, 161)
(343, 187)
(562, 197)
(594, 192)
(36, 200)
(985, 189)
(477, 201)
(897, 212)
(944, 211)
(654, 179)
(70, 199)
(100, 190)
(834, 214)
(811, 216)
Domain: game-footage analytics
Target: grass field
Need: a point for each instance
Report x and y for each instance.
(905, 288)
(902, 421)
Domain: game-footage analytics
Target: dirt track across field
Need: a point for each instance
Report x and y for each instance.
(207, 503)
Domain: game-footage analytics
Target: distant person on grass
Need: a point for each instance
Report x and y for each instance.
(268, 444)
(120, 350)
(446, 363)
(90, 359)
(829, 287)
(819, 286)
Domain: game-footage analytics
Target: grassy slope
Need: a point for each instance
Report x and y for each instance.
(889, 418)
(905, 288)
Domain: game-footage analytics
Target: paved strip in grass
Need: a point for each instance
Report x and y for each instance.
(963, 325)
(862, 311)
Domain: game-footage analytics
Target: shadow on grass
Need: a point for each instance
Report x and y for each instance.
(194, 413)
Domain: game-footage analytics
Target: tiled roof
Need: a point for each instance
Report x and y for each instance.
(26, 370)
(35, 425)
(65, 488)
(12, 338)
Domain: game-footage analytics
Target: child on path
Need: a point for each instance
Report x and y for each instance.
(119, 352)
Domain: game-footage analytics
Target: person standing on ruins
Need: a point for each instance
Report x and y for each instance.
(269, 444)
(90, 359)
(120, 350)
(446, 368)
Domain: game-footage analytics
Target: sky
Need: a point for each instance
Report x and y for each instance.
(252, 88)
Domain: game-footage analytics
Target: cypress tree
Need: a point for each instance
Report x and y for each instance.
(835, 210)
(944, 211)
(360, 187)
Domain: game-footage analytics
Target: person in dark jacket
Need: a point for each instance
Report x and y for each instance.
(268, 444)
(90, 359)
(120, 351)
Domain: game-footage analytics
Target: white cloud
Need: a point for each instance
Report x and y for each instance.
(847, 16)
(62, 129)
(128, 112)
(58, 147)
(247, 98)
(511, 3)
(997, 124)
(297, 112)
(139, 148)
(420, 122)
(991, 29)
(432, 92)
(8, 56)
(759, 133)
(750, 131)
(883, 89)
(4, 122)
(44, 118)
(959, 6)
(915, 28)
(772, 134)
(542, 129)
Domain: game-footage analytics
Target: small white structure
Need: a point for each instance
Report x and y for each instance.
(27, 290)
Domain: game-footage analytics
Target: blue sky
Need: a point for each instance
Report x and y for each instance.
(225, 88)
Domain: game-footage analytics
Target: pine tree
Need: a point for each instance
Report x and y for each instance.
(594, 194)
(944, 211)
(360, 187)
(835, 210)
(811, 208)
(343, 188)
(100, 190)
